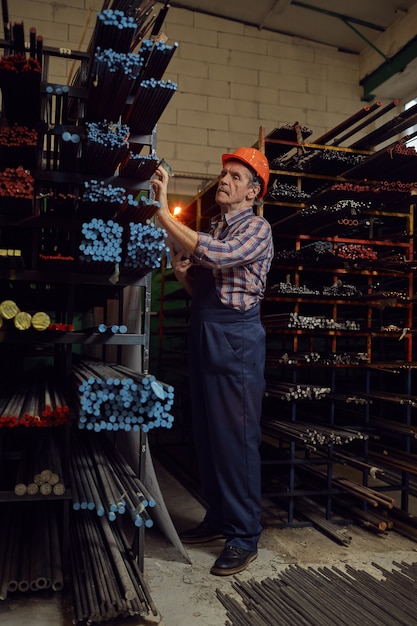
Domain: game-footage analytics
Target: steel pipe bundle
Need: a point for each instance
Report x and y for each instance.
(149, 102)
(100, 552)
(112, 397)
(309, 435)
(111, 73)
(325, 596)
(145, 248)
(353, 251)
(30, 552)
(352, 207)
(104, 148)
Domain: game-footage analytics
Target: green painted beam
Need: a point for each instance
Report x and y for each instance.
(392, 66)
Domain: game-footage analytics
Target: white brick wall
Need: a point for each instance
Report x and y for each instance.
(231, 79)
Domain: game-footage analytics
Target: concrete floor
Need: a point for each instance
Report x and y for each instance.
(185, 593)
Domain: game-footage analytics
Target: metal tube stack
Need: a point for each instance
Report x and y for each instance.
(101, 247)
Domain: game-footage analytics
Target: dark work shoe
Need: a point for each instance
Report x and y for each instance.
(203, 533)
(232, 561)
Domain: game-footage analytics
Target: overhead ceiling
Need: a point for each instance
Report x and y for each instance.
(349, 25)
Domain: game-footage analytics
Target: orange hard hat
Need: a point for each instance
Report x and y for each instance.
(255, 159)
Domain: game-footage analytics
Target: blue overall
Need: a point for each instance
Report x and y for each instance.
(227, 359)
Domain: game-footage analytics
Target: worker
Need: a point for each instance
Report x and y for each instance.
(226, 351)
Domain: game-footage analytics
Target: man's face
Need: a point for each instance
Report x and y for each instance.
(234, 187)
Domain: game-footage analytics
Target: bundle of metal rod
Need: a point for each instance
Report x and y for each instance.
(156, 57)
(100, 199)
(309, 434)
(353, 251)
(310, 251)
(361, 492)
(100, 552)
(144, 249)
(106, 146)
(308, 322)
(149, 102)
(111, 73)
(403, 461)
(112, 397)
(139, 166)
(18, 144)
(38, 403)
(40, 465)
(296, 391)
(342, 290)
(350, 207)
(393, 427)
(114, 29)
(396, 398)
(285, 191)
(33, 532)
(103, 481)
(289, 288)
(20, 81)
(333, 358)
(325, 597)
(101, 246)
(137, 211)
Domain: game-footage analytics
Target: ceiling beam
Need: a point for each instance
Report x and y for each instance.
(392, 66)
(278, 7)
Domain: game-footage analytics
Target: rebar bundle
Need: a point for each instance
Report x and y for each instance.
(324, 596)
(112, 397)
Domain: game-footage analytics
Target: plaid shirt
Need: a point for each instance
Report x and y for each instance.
(240, 253)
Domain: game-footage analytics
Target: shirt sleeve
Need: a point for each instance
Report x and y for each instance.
(248, 243)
